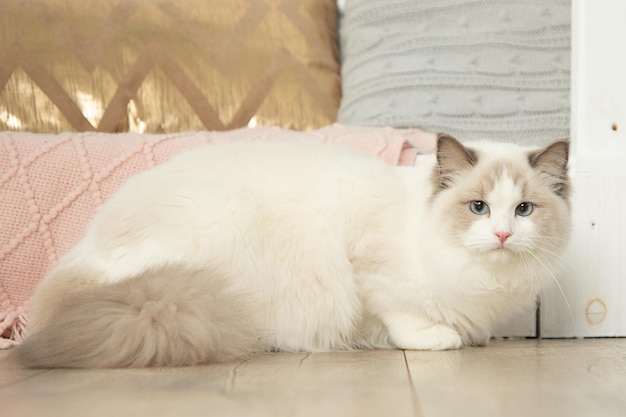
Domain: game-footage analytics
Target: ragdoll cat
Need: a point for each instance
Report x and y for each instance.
(296, 246)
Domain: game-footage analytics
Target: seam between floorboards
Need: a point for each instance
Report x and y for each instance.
(417, 408)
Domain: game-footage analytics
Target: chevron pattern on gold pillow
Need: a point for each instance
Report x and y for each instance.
(159, 66)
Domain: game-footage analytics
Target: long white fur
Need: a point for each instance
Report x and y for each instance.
(247, 247)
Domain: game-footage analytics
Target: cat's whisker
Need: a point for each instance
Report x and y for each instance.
(565, 265)
(548, 237)
(548, 240)
(533, 278)
(547, 251)
(560, 288)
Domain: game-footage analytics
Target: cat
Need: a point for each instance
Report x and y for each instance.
(240, 248)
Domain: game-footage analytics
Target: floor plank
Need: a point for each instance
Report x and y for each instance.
(523, 378)
(512, 378)
(344, 383)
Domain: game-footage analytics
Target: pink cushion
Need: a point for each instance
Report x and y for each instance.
(51, 185)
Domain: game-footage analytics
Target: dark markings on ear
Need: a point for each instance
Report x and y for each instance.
(453, 159)
(552, 161)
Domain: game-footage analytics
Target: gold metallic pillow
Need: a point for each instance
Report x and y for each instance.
(167, 66)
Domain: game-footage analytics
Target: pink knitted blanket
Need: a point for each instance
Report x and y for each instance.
(51, 185)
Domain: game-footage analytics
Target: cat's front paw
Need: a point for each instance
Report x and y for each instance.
(435, 337)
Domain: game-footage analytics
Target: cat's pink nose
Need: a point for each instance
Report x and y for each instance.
(503, 236)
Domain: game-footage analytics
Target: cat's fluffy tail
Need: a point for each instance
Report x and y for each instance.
(160, 318)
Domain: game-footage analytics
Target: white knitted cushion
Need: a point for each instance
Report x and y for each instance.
(497, 69)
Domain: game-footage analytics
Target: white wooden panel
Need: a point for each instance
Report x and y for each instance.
(599, 86)
(594, 277)
(594, 282)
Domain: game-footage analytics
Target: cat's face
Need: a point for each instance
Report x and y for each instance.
(503, 202)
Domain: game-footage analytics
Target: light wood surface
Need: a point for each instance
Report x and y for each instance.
(507, 378)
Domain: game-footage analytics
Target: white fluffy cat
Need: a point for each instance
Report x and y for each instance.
(245, 247)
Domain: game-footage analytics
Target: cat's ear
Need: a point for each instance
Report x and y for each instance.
(552, 161)
(453, 159)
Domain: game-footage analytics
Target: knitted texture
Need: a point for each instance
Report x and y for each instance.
(51, 186)
(479, 69)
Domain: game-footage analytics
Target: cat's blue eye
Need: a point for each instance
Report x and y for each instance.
(524, 209)
(479, 207)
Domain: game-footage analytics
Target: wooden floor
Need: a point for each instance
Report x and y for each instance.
(508, 378)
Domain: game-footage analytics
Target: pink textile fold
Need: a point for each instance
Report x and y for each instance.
(51, 185)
